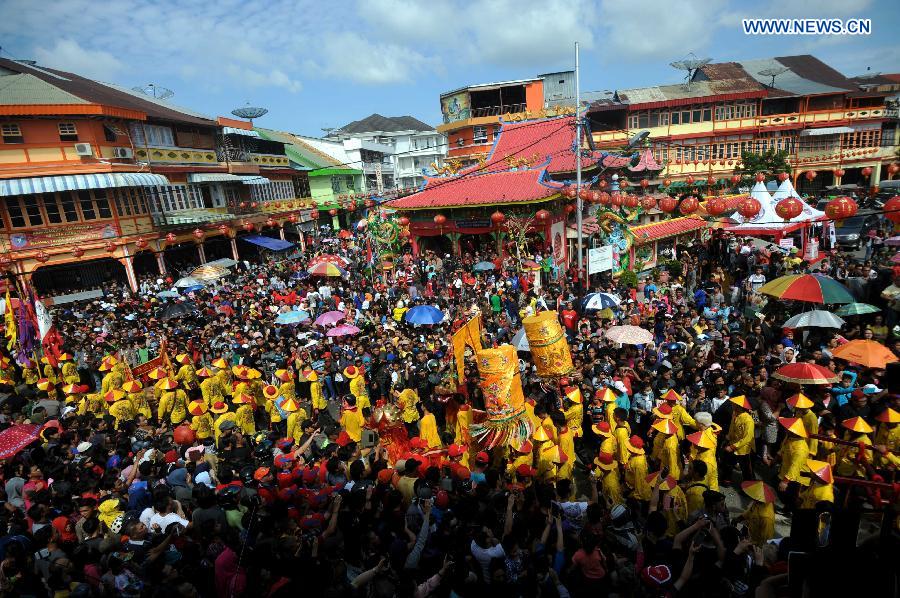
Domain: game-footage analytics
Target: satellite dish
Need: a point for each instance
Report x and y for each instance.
(773, 72)
(154, 91)
(690, 65)
(637, 140)
(250, 112)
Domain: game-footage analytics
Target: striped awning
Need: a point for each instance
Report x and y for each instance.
(254, 180)
(236, 131)
(213, 177)
(825, 131)
(75, 182)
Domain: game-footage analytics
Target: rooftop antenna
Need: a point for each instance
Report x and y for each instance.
(154, 91)
(250, 112)
(773, 72)
(691, 65)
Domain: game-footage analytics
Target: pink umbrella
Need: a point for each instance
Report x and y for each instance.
(15, 438)
(330, 318)
(343, 330)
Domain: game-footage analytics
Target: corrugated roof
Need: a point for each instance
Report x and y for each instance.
(298, 150)
(24, 89)
(666, 228)
(806, 75)
(496, 188)
(376, 122)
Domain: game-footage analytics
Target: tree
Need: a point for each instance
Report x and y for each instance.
(517, 228)
(770, 163)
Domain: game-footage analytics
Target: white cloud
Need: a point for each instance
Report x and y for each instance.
(68, 55)
(350, 56)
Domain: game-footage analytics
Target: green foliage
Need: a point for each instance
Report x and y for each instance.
(769, 162)
(675, 268)
(628, 279)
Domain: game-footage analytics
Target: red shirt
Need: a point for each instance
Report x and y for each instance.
(570, 318)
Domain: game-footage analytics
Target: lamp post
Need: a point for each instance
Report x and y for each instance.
(579, 205)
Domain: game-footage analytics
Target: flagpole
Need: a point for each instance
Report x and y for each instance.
(578, 201)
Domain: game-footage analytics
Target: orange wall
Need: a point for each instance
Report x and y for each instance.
(534, 95)
(467, 134)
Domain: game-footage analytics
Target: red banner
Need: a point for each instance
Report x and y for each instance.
(141, 371)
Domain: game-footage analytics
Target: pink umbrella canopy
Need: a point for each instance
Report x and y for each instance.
(15, 438)
(330, 318)
(343, 330)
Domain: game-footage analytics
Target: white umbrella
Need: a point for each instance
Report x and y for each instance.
(188, 281)
(816, 318)
(601, 301)
(629, 335)
(520, 341)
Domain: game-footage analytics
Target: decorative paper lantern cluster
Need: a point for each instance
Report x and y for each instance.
(788, 208)
(715, 206)
(735, 179)
(249, 226)
(631, 201)
(749, 207)
(689, 205)
(866, 172)
(838, 173)
(840, 208)
(668, 204)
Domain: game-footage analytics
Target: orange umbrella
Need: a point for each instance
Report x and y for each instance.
(132, 386)
(858, 425)
(805, 373)
(871, 354)
(821, 470)
(758, 491)
(158, 373)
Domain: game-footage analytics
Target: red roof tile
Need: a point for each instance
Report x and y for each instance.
(611, 161)
(495, 188)
(655, 231)
(646, 162)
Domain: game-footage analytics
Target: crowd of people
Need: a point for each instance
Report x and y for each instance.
(252, 457)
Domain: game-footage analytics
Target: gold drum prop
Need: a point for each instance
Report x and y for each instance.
(549, 348)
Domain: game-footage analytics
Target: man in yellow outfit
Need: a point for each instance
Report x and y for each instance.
(202, 421)
(567, 447)
(244, 413)
(407, 401)
(608, 472)
(887, 434)
(286, 389)
(121, 410)
(223, 377)
(574, 409)
(428, 430)
(739, 442)
(92, 403)
(850, 463)
(358, 386)
(636, 470)
(137, 397)
(187, 374)
(703, 448)
(696, 486)
(603, 430)
(680, 416)
(463, 421)
(794, 453)
(224, 416)
(50, 371)
(295, 424)
(209, 387)
(70, 372)
(316, 395)
(669, 453)
(622, 434)
(270, 393)
(821, 484)
(352, 421)
(673, 502)
(760, 515)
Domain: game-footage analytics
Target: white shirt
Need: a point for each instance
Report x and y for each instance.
(163, 521)
(484, 556)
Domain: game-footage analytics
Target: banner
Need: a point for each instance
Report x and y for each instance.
(600, 259)
(467, 336)
(140, 371)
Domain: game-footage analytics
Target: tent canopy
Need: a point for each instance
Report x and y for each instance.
(268, 242)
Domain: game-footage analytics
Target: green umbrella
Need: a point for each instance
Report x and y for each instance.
(857, 309)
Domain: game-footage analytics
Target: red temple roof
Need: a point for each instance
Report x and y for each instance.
(646, 162)
(611, 161)
(655, 231)
(493, 188)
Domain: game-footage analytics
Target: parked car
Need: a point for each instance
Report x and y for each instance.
(852, 231)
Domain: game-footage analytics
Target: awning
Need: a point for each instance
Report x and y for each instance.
(253, 180)
(76, 182)
(825, 131)
(213, 177)
(236, 131)
(268, 242)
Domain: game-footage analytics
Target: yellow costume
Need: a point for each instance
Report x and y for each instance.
(669, 455)
(887, 435)
(760, 519)
(463, 420)
(567, 446)
(794, 453)
(610, 486)
(811, 425)
(407, 402)
(139, 403)
(740, 434)
(847, 461)
(574, 418)
(30, 376)
(287, 391)
(70, 373)
(211, 391)
(166, 404)
(315, 392)
(202, 425)
(636, 477)
(677, 514)
(227, 416)
(223, 378)
(693, 493)
(187, 376)
(352, 422)
(622, 433)
(92, 403)
(294, 422)
(681, 419)
(817, 491)
(50, 374)
(179, 407)
(122, 411)
(359, 390)
(427, 431)
(274, 413)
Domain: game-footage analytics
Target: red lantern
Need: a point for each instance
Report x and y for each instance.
(648, 203)
(277, 205)
(866, 172)
(749, 207)
(42, 256)
(370, 203)
(892, 209)
(760, 177)
(77, 251)
(585, 194)
(403, 221)
(289, 205)
(351, 207)
(789, 208)
(333, 211)
(223, 228)
(735, 179)
(243, 205)
(498, 218)
(840, 208)
(183, 435)
(542, 215)
(440, 220)
(198, 233)
(602, 184)
(810, 175)
(689, 205)
(293, 218)
(605, 198)
(171, 237)
(314, 214)
(631, 201)
(271, 222)
(838, 173)
(624, 183)
(569, 208)
(570, 192)
(645, 183)
(110, 246)
(141, 243)
(710, 180)
(668, 204)
(254, 205)
(615, 200)
(249, 226)
(667, 182)
(782, 177)
(689, 180)
(715, 206)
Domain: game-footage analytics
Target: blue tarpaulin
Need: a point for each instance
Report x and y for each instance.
(268, 242)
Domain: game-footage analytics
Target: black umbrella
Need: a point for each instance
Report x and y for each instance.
(176, 310)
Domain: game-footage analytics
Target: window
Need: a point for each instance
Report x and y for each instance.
(643, 119)
(143, 134)
(33, 210)
(496, 131)
(685, 117)
(110, 133)
(633, 121)
(102, 202)
(663, 119)
(67, 132)
(676, 118)
(707, 114)
(67, 202)
(479, 134)
(123, 202)
(87, 205)
(51, 206)
(11, 134)
(16, 215)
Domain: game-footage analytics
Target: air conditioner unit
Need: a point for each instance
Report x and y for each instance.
(122, 152)
(84, 149)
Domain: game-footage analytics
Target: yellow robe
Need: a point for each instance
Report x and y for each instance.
(202, 425)
(609, 445)
(223, 378)
(794, 453)
(407, 402)
(740, 434)
(608, 410)
(50, 374)
(708, 456)
(287, 391)
(187, 376)
(139, 403)
(227, 416)
(760, 519)
(669, 456)
(30, 376)
(111, 381)
(623, 434)
(611, 488)
(847, 465)
(567, 446)
(811, 424)
(244, 419)
(816, 492)
(92, 403)
(122, 411)
(211, 391)
(352, 422)
(274, 413)
(888, 436)
(427, 431)
(574, 418)
(179, 407)
(463, 420)
(693, 493)
(318, 398)
(677, 514)
(70, 373)
(165, 406)
(359, 390)
(547, 456)
(294, 422)
(636, 477)
(681, 419)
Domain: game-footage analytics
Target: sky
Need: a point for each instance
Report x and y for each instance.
(318, 65)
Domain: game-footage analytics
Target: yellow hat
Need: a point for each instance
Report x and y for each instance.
(704, 439)
(241, 371)
(794, 425)
(253, 374)
(310, 375)
(290, 405)
(270, 392)
(219, 407)
(671, 396)
(351, 372)
(70, 389)
(858, 425)
(65, 357)
(666, 426)
(283, 375)
(607, 395)
(167, 384)
(44, 384)
(540, 434)
(158, 373)
(197, 407)
(242, 398)
(220, 363)
(820, 469)
(113, 395)
(605, 461)
(888, 416)
(205, 373)
(758, 491)
(132, 386)
(664, 411)
(741, 401)
(602, 429)
(665, 485)
(183, 359)
(799, 401)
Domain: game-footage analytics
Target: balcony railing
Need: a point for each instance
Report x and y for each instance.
(385, 166)
(498, 110)
(170, 155)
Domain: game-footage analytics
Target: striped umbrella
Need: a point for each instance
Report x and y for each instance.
(805, 373)
(209, 272)
(814, 288)
(328, 257)
(816, 318)
(601, 301)
(856, 309)
(871, 354)
(326, 269)
(629, 335)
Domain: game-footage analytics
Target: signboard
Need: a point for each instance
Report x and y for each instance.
(558, 242)
(473, 223)
(811, 252)
(600, 259)
(145, 368)
(63, 235)
(786, 243)
(455, 107)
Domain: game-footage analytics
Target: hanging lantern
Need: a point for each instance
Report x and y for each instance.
(42, 256)
(666, 182)
(141, 243)
(615, 200)
(840, 208)
(249, 226)
(370, 203)
(171, 237)
(689, 205)
(497, 218)
(631, 201)
(605, 198)
(243, 205)
(689, 180)
(569, 208)
(595, 197)
(403, 221)
(710, 180)
(715, 206)
(293, 218)
(254, 205)
(645, 183)
(668, 204)
(198, 233)
(782, 177)
(892, 209)
(440, 220)
(810, 175)
(223, 228)
(77, 251)
(624, 184)
(289, 205)
(749, 207)
(602, 184)
(314, 214)
(838, 173)
(277, 205)
(585, 194)
(110, 246)
(648, 202)
(351, 207)
(789, 208)
(570, 192)
(866, 172)
(333, 211)
(760, 177)
(735, 179)
(542, 215)
(271, 222)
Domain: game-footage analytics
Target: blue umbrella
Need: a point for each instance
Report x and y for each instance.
(292, 317)
(193, 289)
(601, 301)
(424, 314)
(483, 266)
(300, 275)
(168, 294)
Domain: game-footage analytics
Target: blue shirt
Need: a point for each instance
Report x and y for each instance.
(623, 401)
(842, 394)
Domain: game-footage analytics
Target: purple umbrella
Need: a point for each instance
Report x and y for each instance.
(343, 330)
(330, 318)
(15, 438)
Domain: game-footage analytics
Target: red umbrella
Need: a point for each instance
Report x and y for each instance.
(805, 373)
(226, 309)
(15, 438)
